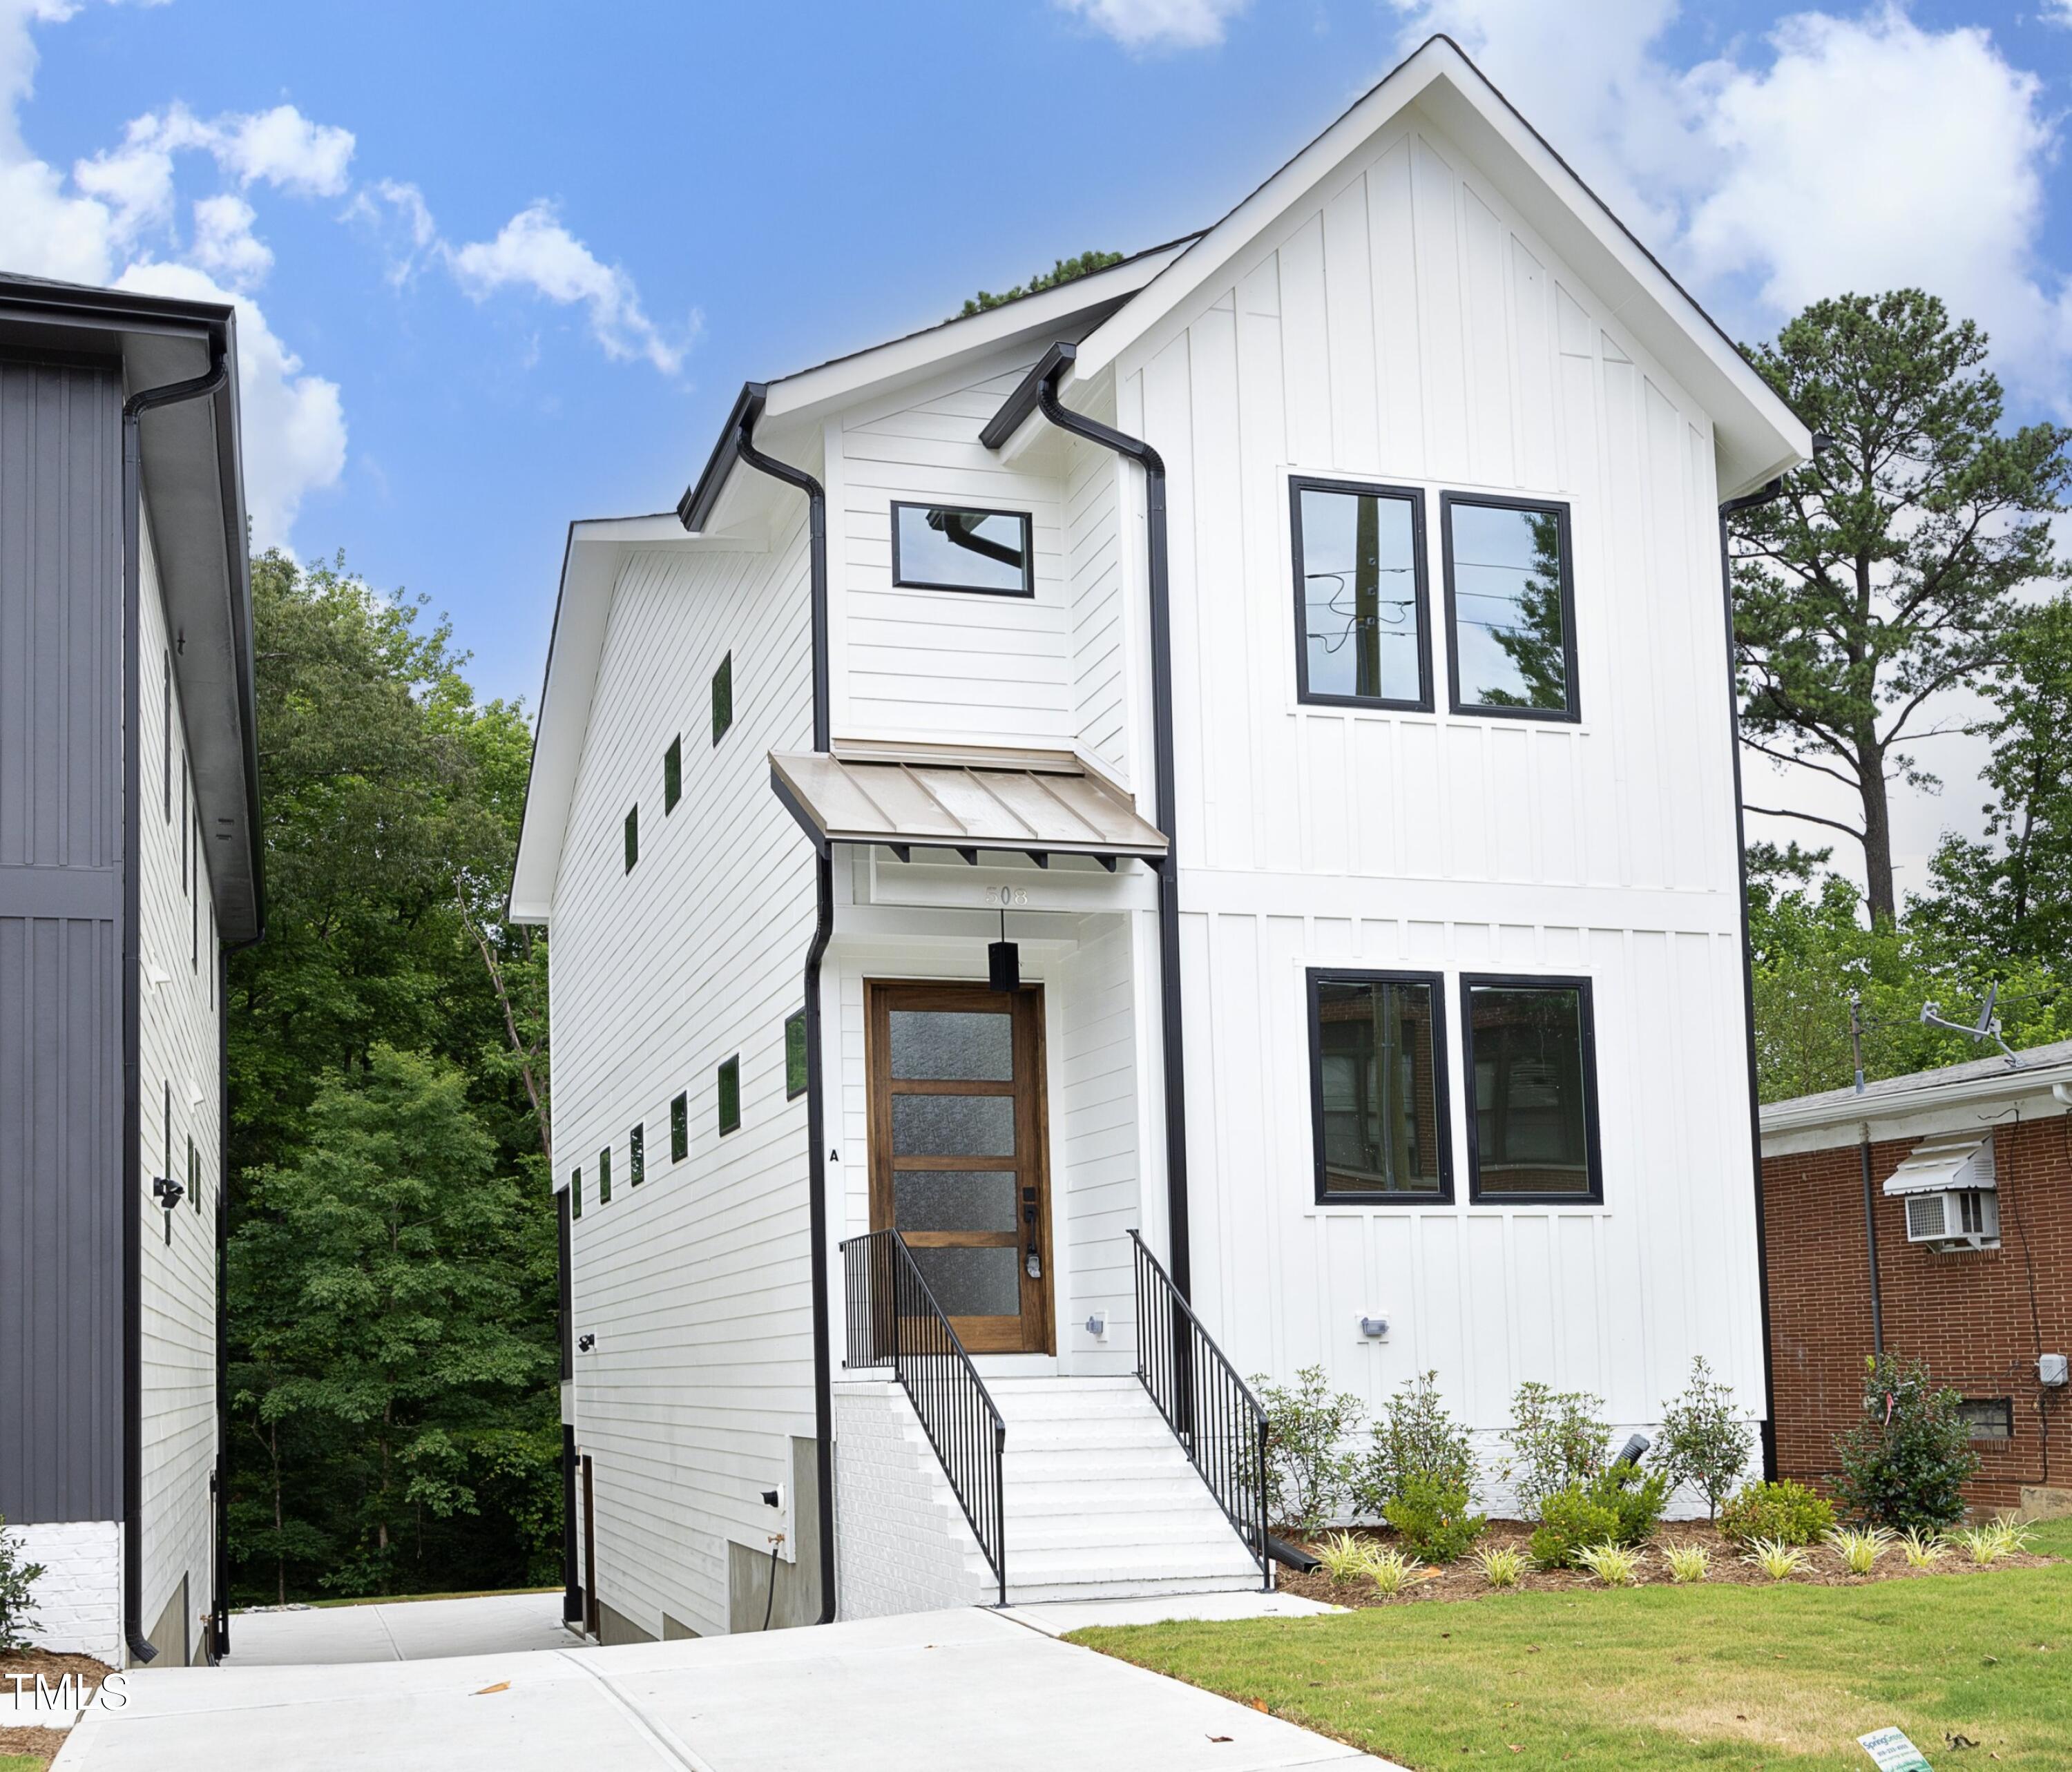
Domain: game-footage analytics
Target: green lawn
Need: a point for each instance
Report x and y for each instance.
(1783, 1679)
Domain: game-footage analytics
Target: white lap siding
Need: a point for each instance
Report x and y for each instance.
(695, 1283)
(181, 1101)
(1409, 328)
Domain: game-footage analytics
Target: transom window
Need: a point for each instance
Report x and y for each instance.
(1532, 1110)
(1510, 605)
(942, 547)
(1360, 630)
(1378, 1085)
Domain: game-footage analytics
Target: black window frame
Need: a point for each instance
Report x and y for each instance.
(672, 774)
(633, 837)
(680, 1126)
(1026, 518)
(636, 1153)
(796, 1018)
(575, 1192)
(1558, 509)
(729, 1071)
(1414, 496)
(1313, 978)
(1593, 1154)
(722, 696)
(1969, 1408)
(604, 1176)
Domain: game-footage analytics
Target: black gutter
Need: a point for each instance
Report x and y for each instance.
(1037, 392)
(1732, 508)
(144, 400)
(737, 443)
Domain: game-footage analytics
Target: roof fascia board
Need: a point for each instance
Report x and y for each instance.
(1821, 1122)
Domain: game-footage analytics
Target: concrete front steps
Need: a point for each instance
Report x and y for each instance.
(1101, 1502)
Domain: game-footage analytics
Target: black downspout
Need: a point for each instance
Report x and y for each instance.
(1732, 508)
(746, 412)
(1039, 392)
(1870, 1241)
(133, 903)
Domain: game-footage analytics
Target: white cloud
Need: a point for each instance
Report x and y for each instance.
(223, 241)
(285, 149)
(534, 251)
(1178, 24)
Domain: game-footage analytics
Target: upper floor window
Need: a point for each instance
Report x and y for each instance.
(940, 547)
(1361, 635)
(722, 698)
(636, 1155)
(1532, 1092)
(795, 1054)
(1378, 1085)
(730, 1094)
(632, 838)
(680, 1128)
(673, 775)
(1510, 604)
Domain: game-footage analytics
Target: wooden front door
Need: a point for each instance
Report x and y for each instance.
(958, 1153)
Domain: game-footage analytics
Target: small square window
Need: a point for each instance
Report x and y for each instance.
(940, 547)
(1361, 631)
(1378, 1085)
(636, 1156)
(680, 1128)
(604, 1176)
(729, 1096)
(1510, 605)
(673, 775)
(632, 838)
(1531, 1086)
(795, 1054)
(722, 698)
(575, 1193)
(1988, 1417)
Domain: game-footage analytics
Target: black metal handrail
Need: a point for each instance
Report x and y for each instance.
(1211, 1411)
(893, 1320)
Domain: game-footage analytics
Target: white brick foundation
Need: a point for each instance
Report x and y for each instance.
(902, 1543)
(79, 1599)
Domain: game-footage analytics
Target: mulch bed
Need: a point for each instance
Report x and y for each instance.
(30, 1663)
(1464, 1581)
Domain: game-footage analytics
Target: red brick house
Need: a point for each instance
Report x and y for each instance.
(1953, 1242)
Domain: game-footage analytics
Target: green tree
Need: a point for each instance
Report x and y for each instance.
(1904, 1463)
(1065, 270)
(2012, 892)
(398, 1250)
(1533, 643)
(1889, 570)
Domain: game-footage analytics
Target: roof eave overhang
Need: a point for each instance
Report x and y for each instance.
(1757, 436)
(1819, 1122)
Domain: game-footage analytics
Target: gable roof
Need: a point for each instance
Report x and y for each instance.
(1757, 435)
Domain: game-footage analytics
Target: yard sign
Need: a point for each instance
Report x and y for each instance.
(1893, 1751)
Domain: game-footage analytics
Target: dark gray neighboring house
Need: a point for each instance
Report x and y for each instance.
(129, 867)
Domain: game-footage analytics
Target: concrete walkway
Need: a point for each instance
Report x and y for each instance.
(399, 1630)
(942, 1692)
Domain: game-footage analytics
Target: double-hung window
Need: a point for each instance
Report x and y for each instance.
(1363, 634)
(1529, 1046)
(1378, 1085)
(1511, 607)
(943, 547)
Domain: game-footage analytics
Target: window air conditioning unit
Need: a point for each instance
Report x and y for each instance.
(1951, 1188)
(1967, 1217)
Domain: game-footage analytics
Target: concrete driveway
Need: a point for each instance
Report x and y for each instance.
(942, 1692)
(403, 1630)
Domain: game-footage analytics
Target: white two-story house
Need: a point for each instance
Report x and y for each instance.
(1179, 828)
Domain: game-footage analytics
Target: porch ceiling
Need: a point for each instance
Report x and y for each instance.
(1029, 802)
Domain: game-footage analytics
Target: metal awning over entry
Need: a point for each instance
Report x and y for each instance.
(1035, 802)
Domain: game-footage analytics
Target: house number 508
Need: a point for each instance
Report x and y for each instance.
(1007, 898)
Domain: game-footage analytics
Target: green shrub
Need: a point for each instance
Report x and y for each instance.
(18, 1604)
(1616, 1506)
(1308, 1472)
(1783, 1513)
(1434, 1520)
(1705, 1443)
(1414, 1437)
(1557, 1439)
(1905, 1464)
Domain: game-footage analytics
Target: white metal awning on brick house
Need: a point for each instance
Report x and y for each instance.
(1035, 802)
(1950, 1159)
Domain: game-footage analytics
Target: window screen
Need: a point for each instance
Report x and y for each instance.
(1531, 1088)
(1359, 593)
(1378, 1085)
(680, 1128)
(1510, 603)
(795, 1054)
(729, 1096)
(940, 547)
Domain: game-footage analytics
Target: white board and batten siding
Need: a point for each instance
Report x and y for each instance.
(181, 1099)
(1408, 327)
(696, 1283)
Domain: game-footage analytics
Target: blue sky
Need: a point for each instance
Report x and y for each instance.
(506, 266)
